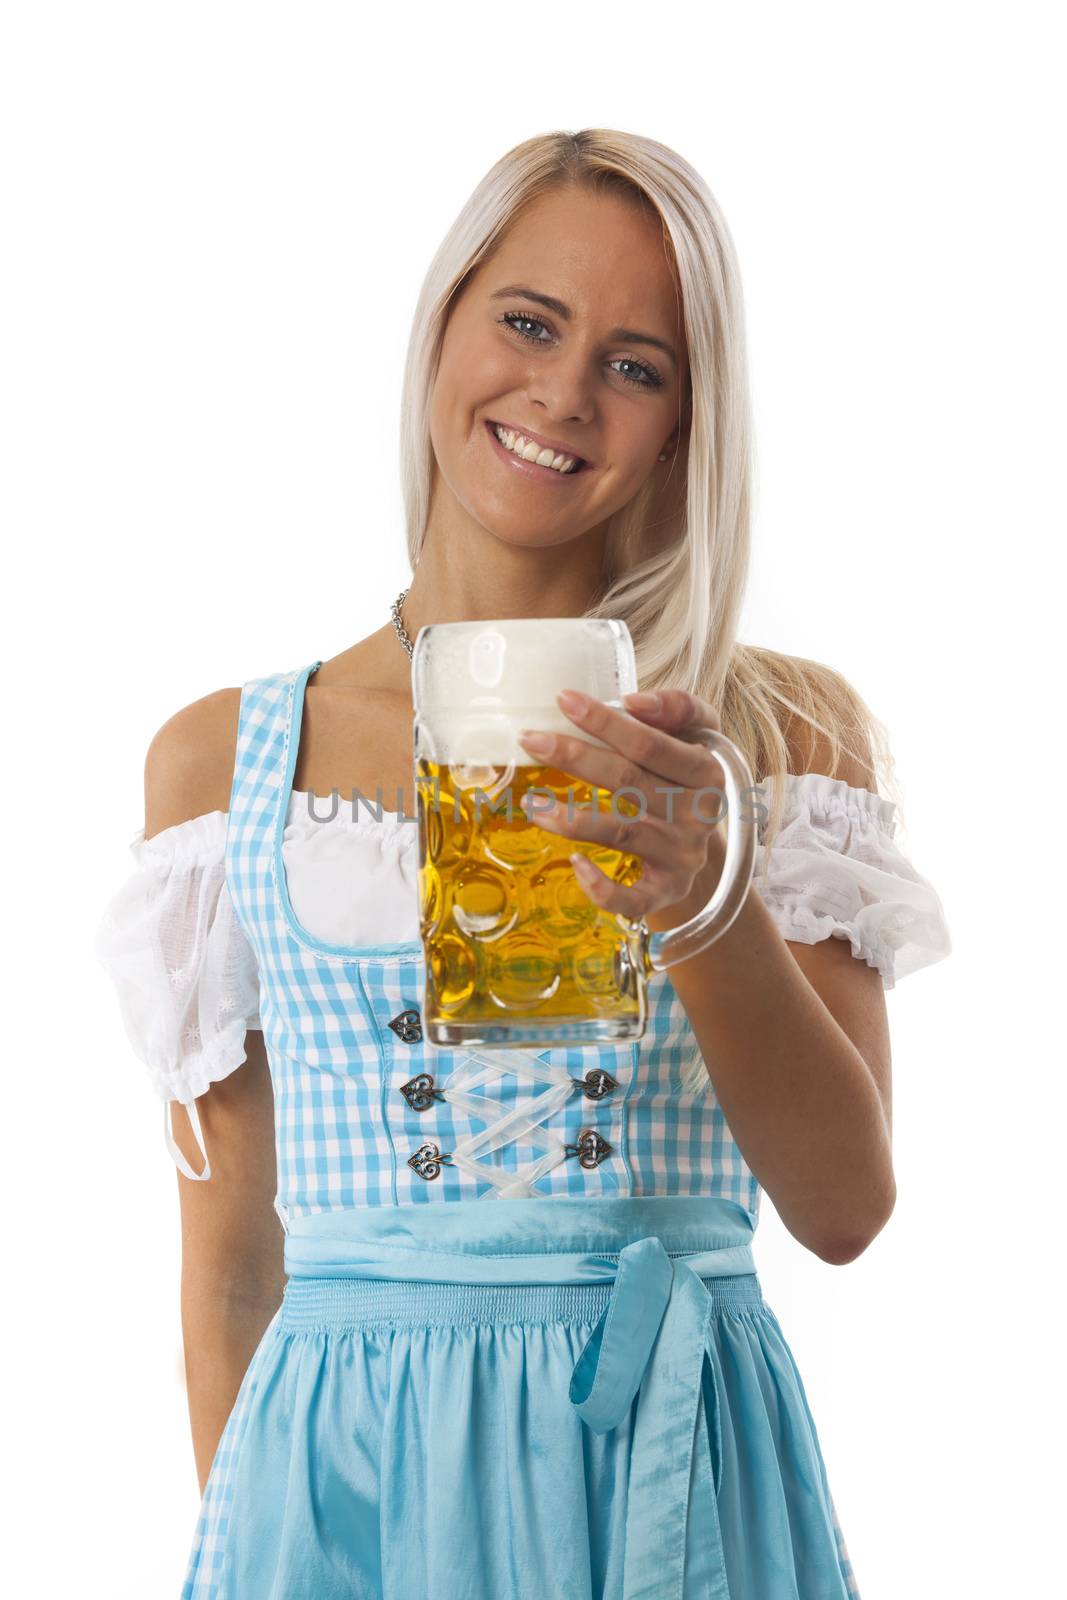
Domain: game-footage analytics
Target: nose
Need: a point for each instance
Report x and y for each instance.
(561, 389)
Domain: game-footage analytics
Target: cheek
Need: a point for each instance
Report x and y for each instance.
(645, 436)
(633, 434)
(632, 459)
(474, 369)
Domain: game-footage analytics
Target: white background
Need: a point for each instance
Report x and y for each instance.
(217, 220)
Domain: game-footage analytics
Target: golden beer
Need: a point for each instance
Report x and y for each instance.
(508, 931)
(516, 952)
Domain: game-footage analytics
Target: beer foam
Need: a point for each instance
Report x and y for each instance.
(476, 685)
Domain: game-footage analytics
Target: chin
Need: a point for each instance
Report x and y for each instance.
(523, 537)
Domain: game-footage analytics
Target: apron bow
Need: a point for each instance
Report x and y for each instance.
(650, 1341)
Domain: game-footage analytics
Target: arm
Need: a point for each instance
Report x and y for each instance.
(797, 1041)
(798, 1045)
(232, 1239)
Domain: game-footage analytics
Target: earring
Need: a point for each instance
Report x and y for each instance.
(663, 455)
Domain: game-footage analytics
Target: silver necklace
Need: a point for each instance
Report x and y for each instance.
(398, 624)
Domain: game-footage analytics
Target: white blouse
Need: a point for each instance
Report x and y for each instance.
(187, 979)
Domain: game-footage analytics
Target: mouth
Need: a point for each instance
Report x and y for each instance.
(541, 458)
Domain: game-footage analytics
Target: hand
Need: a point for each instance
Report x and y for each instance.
(679, 796)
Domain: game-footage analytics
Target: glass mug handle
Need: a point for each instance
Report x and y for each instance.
(661, 950)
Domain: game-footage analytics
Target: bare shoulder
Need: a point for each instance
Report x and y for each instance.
(829, 699)
(189, 766)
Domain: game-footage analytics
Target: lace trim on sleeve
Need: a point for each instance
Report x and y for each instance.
(836, 871)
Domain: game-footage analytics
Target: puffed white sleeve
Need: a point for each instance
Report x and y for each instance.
(835, 870)
(185, 974)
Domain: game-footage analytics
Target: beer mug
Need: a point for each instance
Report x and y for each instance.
(516, 954)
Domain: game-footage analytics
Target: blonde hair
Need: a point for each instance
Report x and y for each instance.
(676, 556)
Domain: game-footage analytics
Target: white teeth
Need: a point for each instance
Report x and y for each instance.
(521, 446)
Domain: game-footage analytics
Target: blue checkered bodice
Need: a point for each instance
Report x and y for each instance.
(368, 1114)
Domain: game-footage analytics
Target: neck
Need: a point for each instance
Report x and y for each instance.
(466, 574)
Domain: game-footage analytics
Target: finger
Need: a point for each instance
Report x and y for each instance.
(657, 843)
(646, 752)
(662, 749)
(678, 710)
(609, 896)
(606, 770)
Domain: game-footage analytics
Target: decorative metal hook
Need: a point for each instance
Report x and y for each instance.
(428, 1159)
(407, 1026)
(419, 1092)
(590, 1148)
(596, 1083)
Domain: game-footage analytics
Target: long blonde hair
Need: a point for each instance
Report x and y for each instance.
(676, 556)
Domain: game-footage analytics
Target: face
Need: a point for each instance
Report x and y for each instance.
(601, 374)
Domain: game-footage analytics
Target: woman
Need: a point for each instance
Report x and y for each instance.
(575, 443)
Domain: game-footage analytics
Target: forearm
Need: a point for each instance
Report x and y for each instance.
(799, 1098)
(233, 1243)
(222, 1325)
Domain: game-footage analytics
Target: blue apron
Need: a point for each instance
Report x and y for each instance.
(648, 1344)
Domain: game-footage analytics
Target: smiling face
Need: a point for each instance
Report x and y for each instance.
(599, 374)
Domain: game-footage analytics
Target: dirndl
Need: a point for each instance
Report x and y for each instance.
(584, 1399)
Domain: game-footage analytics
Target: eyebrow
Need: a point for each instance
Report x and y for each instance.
(631, 335)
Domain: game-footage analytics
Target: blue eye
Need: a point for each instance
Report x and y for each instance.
(651, 379)
(519, 317)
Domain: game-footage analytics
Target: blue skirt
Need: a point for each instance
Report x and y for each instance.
(587, 1399)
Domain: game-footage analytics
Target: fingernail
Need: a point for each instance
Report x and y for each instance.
(571, 700)
(643, 701)
(539, 743)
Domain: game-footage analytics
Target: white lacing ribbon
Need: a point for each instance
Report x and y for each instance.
(508, 1127)
(168, 1134)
